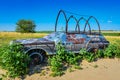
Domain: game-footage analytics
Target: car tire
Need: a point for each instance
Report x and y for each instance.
(37, 57)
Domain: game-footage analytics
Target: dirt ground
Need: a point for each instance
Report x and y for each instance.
(103, 69)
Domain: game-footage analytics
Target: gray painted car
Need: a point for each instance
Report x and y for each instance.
(72, 40)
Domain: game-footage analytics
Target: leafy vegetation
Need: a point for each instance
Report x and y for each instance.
(25, 26)
(61, 60)
(64, 58)
(87, 55)
(91, 56)
(0, 78)
(14, 60)
(113, 50)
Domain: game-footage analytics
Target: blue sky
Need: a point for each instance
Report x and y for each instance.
(44, 12)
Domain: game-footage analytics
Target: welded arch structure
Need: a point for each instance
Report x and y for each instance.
(77, 25)
(92, 17)
(77, 22)
(86, 23)
(57, 18)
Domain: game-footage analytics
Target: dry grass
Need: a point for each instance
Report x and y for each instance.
(112, 38)
(6, 37)
(21, 35)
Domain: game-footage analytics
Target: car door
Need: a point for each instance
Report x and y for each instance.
(71, 42)
(74, 42)
(79, 42)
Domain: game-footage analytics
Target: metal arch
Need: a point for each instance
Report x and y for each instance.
(72, 17)
(61, 11)
(96, 22)
(82, 18)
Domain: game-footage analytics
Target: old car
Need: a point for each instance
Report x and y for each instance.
(73, 41)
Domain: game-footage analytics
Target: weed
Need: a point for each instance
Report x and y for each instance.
(0, 78)
(113, 50)
(95, 66)
(70, 69)
(90, 57)
(78, 67)
(54, 74)
(43, 73)
(14, 60)
(61, 59)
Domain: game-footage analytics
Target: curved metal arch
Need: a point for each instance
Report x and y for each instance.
(82, 18)
(96, 22)
(72, 17)
(60, 12)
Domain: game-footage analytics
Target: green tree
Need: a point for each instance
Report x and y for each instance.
(25, 26)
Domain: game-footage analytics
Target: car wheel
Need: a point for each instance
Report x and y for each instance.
(93, 50)
(37, 57)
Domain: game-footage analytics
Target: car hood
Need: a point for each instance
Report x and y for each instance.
(31, 41)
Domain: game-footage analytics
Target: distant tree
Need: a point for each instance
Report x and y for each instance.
(25, 26)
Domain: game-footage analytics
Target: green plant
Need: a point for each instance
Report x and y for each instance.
(78, 67)
(70, 69)
(0, 78)
(73, 59)
(43, 73)
(90, 57)
(99, 54)
(113, 50)
(61, 59)
(95, 66)
(117, 50)
(109, 52)
(56, 66)
(66, 58)
(54, 74)
(14, 60)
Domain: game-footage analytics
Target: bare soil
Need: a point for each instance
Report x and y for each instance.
(103, 69)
